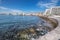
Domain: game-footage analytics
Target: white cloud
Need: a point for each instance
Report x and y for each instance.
(50, 4)
(8, 10)
(4, 8)
(15, 10)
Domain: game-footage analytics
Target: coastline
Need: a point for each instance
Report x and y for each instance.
(54, 34)
(33, 30)
(52, 21)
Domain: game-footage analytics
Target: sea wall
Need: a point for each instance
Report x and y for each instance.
(55, 33)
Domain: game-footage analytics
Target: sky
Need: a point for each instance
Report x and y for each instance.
(27, 5)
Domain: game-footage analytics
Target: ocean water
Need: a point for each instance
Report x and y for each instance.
(9, 24)
(22, 21)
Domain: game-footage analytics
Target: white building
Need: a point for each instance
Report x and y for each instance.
(47, 12)
(53, 11)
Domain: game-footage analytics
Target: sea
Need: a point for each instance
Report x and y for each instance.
(19, 21)
(16, 22)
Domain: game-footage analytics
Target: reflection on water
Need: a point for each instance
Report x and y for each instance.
(21, 27)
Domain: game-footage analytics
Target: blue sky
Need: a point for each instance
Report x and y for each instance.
(27, 5)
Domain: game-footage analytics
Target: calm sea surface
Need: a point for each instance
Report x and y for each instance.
(8, 22)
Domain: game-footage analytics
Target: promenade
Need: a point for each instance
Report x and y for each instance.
(54, 34)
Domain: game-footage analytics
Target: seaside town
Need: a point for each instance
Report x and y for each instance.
(51, 15)
(47, 12)
(29, 20)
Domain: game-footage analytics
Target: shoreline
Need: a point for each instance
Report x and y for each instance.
(54, 34)
(37, 31)
(52, 21)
